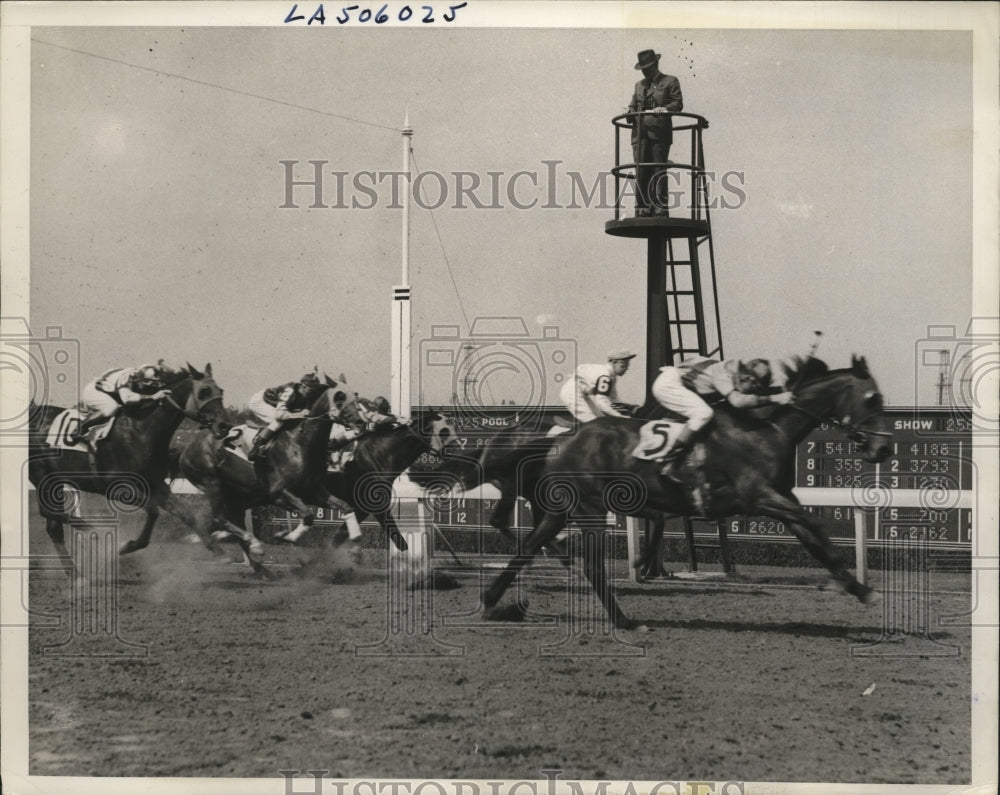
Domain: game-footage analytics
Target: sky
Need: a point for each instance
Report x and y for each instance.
(157, 227)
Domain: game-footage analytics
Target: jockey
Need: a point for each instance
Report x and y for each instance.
(109, 392)
(277, 405)
(376, 414)
(357, 417)
(593, 393)
(743, 384)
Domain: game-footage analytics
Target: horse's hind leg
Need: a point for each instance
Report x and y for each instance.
(594, 539)
(546, 530)
(649, 563)
(55, 528)
(142, 541)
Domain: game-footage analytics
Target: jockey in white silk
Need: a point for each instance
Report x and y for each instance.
(684, 387)
(108, 393)
(594, 390)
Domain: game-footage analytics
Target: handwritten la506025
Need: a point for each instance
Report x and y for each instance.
(424, 14)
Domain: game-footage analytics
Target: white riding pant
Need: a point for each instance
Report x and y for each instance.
(98, 401)
(670, 391)
(263, 411)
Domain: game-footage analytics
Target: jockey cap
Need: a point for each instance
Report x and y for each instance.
(381, 405)
(148, 374)
(759, 370)
(621, 354)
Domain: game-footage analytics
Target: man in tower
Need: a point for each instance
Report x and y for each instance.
(653, 133)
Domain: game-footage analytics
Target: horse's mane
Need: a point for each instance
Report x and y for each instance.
(800, 370)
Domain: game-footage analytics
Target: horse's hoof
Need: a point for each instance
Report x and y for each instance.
(257, 549)
(515, 612)
(868, 596)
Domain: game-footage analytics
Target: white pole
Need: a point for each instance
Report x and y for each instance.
(400, 378)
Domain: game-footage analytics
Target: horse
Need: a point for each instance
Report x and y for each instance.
(130, 463)
(365, 482)
(513, 460)
(746, 467)
(290, 476)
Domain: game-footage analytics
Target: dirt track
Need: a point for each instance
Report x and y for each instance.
(732, 681)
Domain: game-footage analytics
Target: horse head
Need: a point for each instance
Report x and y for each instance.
(850, 400)
(434, 428)
(202, 398)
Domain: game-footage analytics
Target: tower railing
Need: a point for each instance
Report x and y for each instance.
(693, 162)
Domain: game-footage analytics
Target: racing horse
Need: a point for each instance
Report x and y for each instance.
(129, 465)
(365, 482)
(290, 476)
(513, 460)
(745, 465)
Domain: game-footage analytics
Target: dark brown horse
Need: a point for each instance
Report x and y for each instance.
(379, 458)
(513, 461)
(290, 476)
(747, 468)
(129, 465)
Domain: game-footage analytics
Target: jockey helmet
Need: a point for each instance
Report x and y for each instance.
(148, 375)
(309, 380)
(381, 405)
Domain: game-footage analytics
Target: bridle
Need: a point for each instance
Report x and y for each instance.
(847, 427)
(199, 417)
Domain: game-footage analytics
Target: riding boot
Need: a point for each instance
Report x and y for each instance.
(682, 445)
(257, 451)
(80, 434)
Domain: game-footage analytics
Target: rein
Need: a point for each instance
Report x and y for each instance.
(849, 430)
(202, 421)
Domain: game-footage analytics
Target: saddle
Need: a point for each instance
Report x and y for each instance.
(239, 440)
(656, 437)
(66, 422)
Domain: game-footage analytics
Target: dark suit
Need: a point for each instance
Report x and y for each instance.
(652, 135)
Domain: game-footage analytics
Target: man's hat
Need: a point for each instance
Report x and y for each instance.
(647, 58)
(621, 353)
(309, 378)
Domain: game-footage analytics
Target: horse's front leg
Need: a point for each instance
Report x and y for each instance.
(178, 509)
(253, 548)
(157, 497)
(814, 538)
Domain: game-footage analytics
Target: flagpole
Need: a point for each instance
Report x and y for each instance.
(400, 379)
